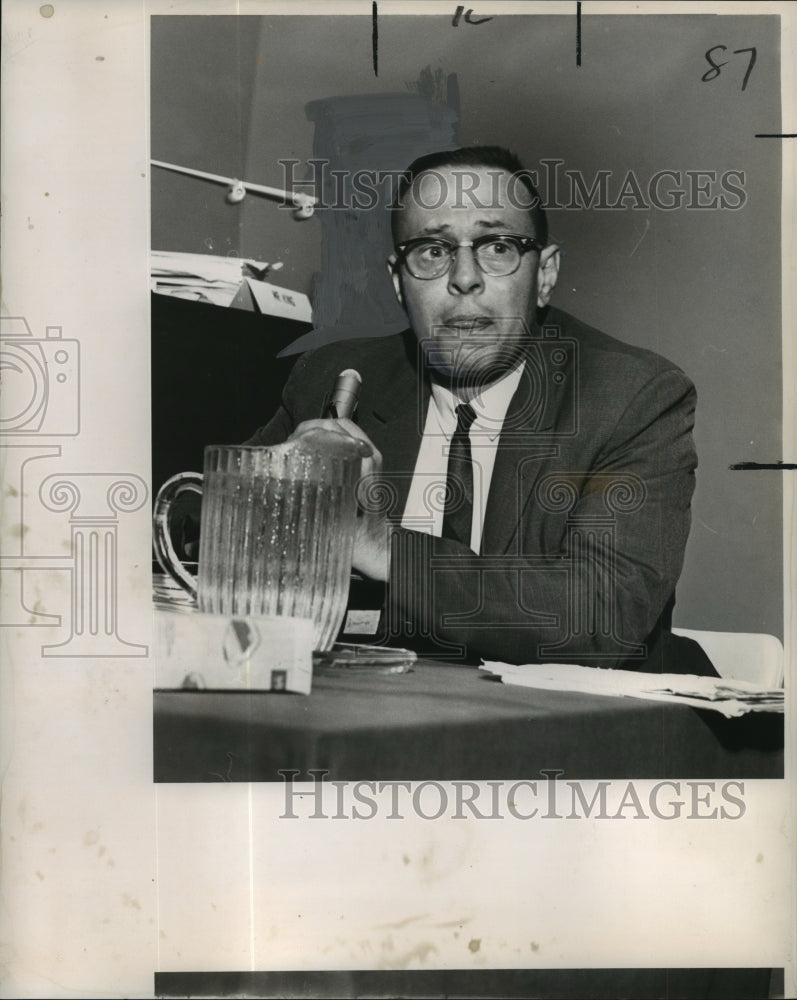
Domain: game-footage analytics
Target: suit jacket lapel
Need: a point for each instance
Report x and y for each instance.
(395, 425)
(540, 410)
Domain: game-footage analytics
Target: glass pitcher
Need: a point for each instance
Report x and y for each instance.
(276, 531)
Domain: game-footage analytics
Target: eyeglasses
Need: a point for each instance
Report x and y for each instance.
(427, 258)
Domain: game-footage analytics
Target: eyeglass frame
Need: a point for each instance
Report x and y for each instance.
(526, 245)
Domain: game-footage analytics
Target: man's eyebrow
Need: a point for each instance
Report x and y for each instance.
(445, 228)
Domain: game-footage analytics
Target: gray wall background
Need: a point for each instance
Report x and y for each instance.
(701, 286)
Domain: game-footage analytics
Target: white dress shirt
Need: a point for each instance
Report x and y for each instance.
(426, 499)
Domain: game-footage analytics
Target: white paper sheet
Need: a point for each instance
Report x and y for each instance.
(730, 697)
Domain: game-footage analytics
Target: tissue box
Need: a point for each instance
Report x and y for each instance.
(200, 650)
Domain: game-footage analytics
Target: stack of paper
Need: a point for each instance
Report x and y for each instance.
(722, 694)
(226, 281)
(197, 276)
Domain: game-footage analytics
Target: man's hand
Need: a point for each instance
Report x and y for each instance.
(329, 433)
(372, 539)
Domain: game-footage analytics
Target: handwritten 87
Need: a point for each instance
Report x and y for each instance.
(714, 71)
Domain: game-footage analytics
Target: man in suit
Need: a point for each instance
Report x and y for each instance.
(526, 479)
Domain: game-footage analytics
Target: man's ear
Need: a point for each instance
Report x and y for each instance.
(547, 273)
(394, 271)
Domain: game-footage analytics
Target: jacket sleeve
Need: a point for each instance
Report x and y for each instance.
(288, 415)
(595, 595)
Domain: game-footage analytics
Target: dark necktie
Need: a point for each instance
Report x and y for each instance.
(458, 512)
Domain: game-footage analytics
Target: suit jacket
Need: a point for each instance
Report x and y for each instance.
(588, 510)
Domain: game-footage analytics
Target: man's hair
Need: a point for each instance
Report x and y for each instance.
(492, 157)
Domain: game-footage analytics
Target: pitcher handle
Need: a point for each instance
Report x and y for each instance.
(183, 482)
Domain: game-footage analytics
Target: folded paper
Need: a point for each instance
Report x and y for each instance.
(730, 697)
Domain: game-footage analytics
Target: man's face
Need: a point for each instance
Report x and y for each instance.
(473, 326)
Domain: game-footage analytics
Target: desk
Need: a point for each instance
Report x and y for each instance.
(448, 722)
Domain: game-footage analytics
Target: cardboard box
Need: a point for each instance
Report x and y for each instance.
(200, 650)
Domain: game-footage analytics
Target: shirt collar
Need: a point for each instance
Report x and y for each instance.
(490, 405)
